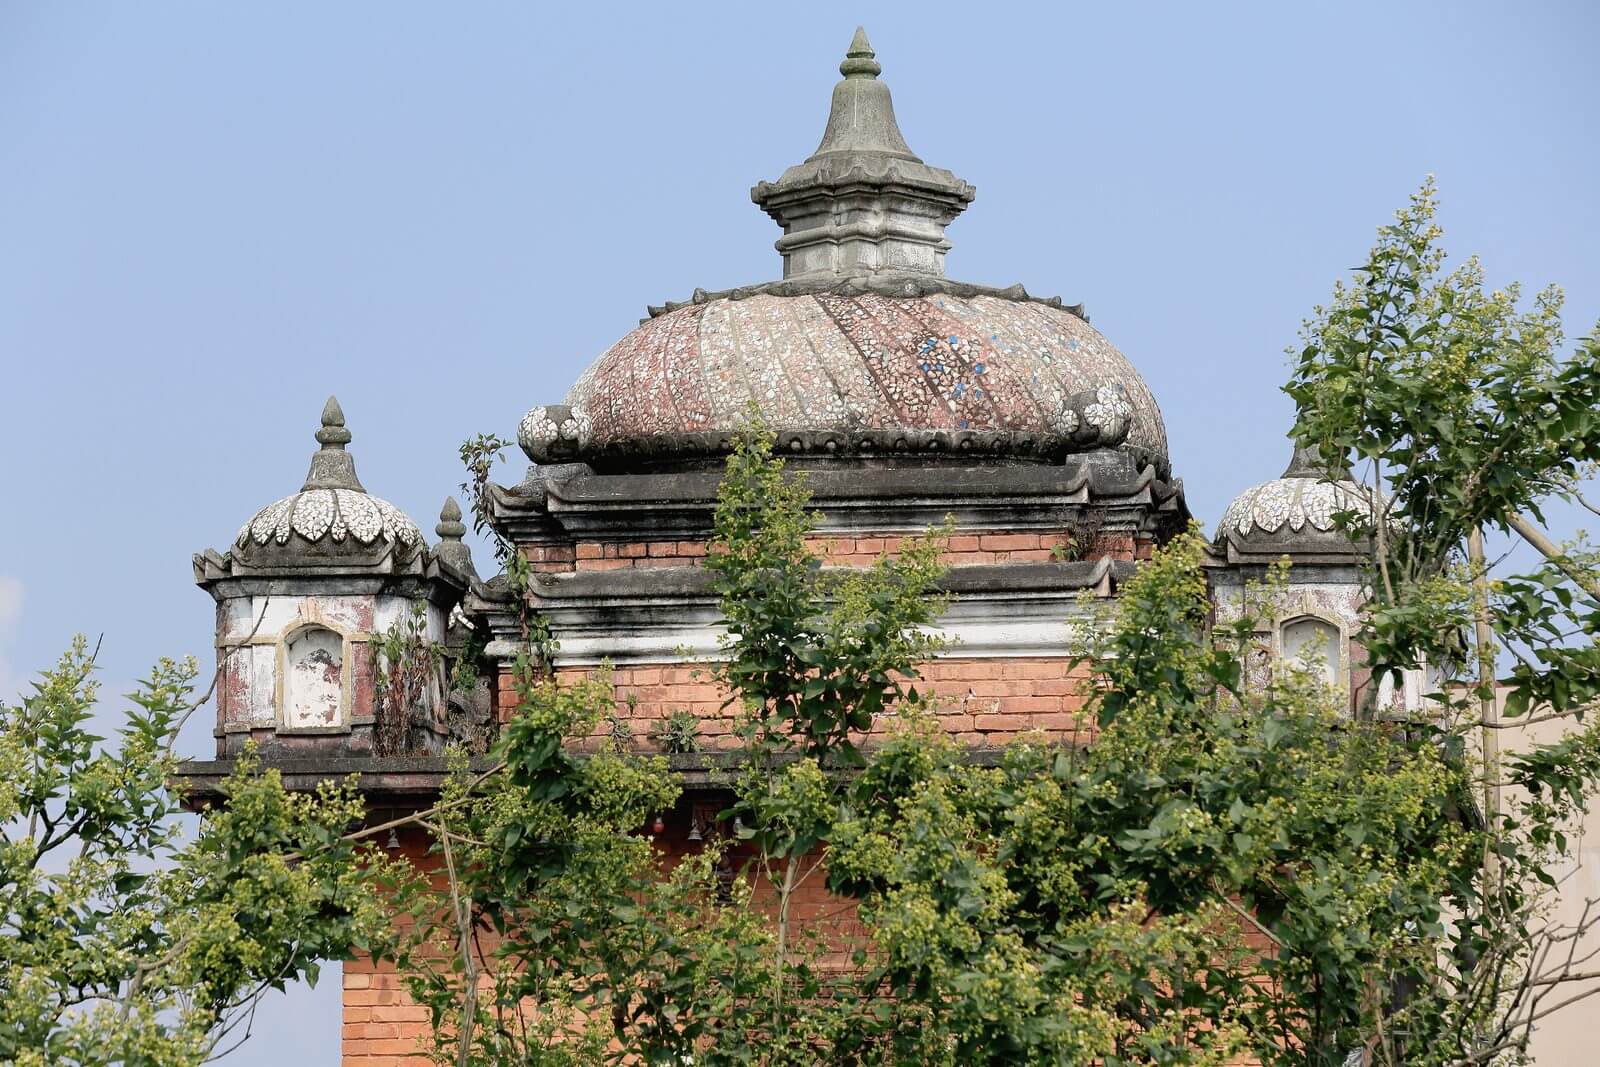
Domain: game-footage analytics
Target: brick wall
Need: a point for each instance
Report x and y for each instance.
(983, 702)
(967, 548)
(382, 1028)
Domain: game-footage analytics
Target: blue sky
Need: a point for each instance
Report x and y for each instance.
(212, 216)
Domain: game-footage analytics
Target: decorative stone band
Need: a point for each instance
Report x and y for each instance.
(637, 617)
(976, 639)
(1097, 418)
(571, 503)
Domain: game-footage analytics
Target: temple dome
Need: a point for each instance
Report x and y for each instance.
(864, 347)
(337, 515)
(332, 514)
(846, 369)
(1294, 513)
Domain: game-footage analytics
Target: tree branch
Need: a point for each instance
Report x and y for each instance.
(1552, 552)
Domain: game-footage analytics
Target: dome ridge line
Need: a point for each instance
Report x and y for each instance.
(879, 388)
(784, 368)
(674, 332)
(887, 284)
(840, 389)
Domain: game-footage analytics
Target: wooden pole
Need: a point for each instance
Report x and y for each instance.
(1486, 677)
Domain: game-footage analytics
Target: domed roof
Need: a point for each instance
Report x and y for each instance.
(1293, 513)
(332, 513)
(864, 347)
(837, 370)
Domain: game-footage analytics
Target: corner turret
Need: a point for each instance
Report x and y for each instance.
(306, 595)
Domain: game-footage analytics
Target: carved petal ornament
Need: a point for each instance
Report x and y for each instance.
(1291, 502)
(336, 514)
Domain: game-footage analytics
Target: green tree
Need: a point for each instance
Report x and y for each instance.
(1469, 416)
(125, 943)
(1223, 871)
(554, 899)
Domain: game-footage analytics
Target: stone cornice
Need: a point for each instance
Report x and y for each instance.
(661, 615)
(410, 783)
(422, 573)
(573, 502)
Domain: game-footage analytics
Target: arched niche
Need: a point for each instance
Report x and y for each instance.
(1313, 643)
(314, 679)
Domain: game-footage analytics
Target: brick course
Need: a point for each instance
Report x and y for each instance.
(986, 702)
(970, 548)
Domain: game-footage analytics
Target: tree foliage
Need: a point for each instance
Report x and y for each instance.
(125, 943)
(1224, 870)
(1468, 415)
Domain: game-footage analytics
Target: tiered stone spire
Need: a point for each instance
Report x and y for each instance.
(450, 531)
(863, 203)
(331, 466)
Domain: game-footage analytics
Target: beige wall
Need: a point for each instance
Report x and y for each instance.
(1571, 1036)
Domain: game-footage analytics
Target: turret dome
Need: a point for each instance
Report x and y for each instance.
(864, 347)
(332, 516)
(1293, 514)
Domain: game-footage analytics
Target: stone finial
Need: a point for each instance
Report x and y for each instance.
(859, 59)
(333, 434)
(863, 203)
(450, 527)
(331, 466)
(862, 116)
(451, 530)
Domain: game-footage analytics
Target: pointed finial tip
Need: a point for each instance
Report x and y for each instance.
(333, 434)
(450, 526)
(859, 58)
(1307, 462)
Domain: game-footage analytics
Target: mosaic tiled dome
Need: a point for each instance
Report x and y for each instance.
(1294, 512)
(864, 347)
(332, 513)
(837, 372)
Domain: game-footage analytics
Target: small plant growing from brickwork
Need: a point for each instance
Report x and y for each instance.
(1082, 535)
(408, 670)
(619, 731)
(678, 733)
(479, 455)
